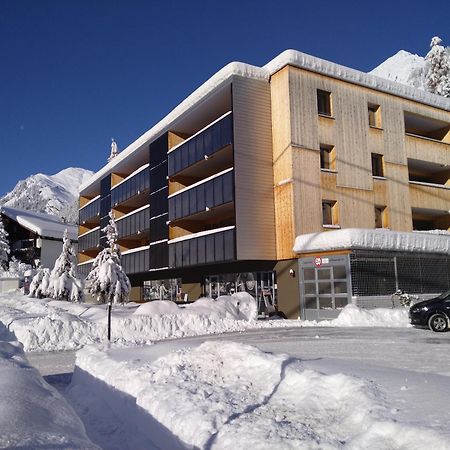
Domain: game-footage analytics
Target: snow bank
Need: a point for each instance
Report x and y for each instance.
(42, 325)
(379, 239)
(223, 393)
(33, 414)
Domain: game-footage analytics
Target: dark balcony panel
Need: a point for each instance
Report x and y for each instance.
(105, 206)
(211, 194)
(89, 241)
(212, 248)
(158, 150)
(133, 224)
(158, 202)
(89, 211)
(105, 186)
(159, 255)
(84, 269)
(214, 138)
(158, 228)
(136, 262)
(133, 186)
(158, 177)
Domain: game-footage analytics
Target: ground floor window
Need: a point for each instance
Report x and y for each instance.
(168, 289)
(261, 285)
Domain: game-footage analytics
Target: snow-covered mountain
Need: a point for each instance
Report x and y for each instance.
(403, 67)
(53, 194)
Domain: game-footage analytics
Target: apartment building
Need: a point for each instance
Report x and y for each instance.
(210, 200)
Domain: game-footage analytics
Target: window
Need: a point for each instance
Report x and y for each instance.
(377, 165)
(374, 115)
(380, 217)
(327, 157)
(324, 102)
(329, 212)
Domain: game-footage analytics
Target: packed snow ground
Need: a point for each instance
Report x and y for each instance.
(219, 392)
(327, 386)
(33, 414)
(50, 325)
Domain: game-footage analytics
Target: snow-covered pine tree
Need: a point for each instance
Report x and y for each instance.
(4, 246)
(39, 283)
(438, 73)
(64, 281)
(107, 280)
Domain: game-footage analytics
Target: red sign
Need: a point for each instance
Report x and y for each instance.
(317, 261)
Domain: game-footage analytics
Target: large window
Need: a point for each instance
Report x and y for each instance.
(324, 102)
(327, 157)
(377, 165)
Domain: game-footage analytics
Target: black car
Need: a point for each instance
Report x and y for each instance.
(433, 313)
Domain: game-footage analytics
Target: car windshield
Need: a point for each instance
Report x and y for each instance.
(444, 295)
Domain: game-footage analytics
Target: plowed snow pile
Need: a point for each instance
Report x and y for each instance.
(45, 325)
(222, 393)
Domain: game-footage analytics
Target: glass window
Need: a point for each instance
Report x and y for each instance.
(377, 165)
(329, 212)
(327, 157)
(340, 287)
(309, 274)
(339, 272)
(324, 102)
(218, 247)
(324, 287)
(218, 191)
(310, 288)
(311, 303)
(324, 273)
(380, 216)
(325, 303)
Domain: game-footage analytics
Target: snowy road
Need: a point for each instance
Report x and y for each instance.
(411, 366)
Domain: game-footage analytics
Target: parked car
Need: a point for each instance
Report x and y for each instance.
(433, 313)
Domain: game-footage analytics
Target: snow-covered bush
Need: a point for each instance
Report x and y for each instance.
(107, 280)
(438, 74)
(16, 269)
(39, 283)
(4, 246)
(64, 283)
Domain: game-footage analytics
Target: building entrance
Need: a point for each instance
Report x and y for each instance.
(325, 286)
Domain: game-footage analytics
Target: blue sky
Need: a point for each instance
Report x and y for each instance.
(73, 74)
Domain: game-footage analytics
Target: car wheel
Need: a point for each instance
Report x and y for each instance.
(438, 323)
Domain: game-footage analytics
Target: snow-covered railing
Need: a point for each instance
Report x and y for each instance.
(138, 170)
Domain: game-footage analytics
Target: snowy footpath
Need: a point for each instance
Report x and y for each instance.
(281, 384)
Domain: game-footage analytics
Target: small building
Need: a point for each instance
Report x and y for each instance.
(365, 267)
(35, 238)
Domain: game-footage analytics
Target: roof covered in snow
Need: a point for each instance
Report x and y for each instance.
(288, 57)
(45, 225)
(380, 239)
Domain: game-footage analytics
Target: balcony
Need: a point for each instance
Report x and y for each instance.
(130, 192)
(207, 247)
(84, 268)
(134, 223)
(211, 143)
(202, 197)
(89, 240)
(89, 214)
(136, 260)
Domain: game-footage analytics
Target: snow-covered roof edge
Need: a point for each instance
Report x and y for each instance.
(369, 239)
(45, 225)
(288, 57)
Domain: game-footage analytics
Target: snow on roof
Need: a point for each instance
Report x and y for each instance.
(379, 239)
(45, 225)
(288, 57)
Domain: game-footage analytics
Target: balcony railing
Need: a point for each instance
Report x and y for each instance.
(202, 145)
(207, 194)
(136, 260)
(89, 240)
(207, 247)
(134, 223)
(90, 211)
(136, 184)
(84, 268)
